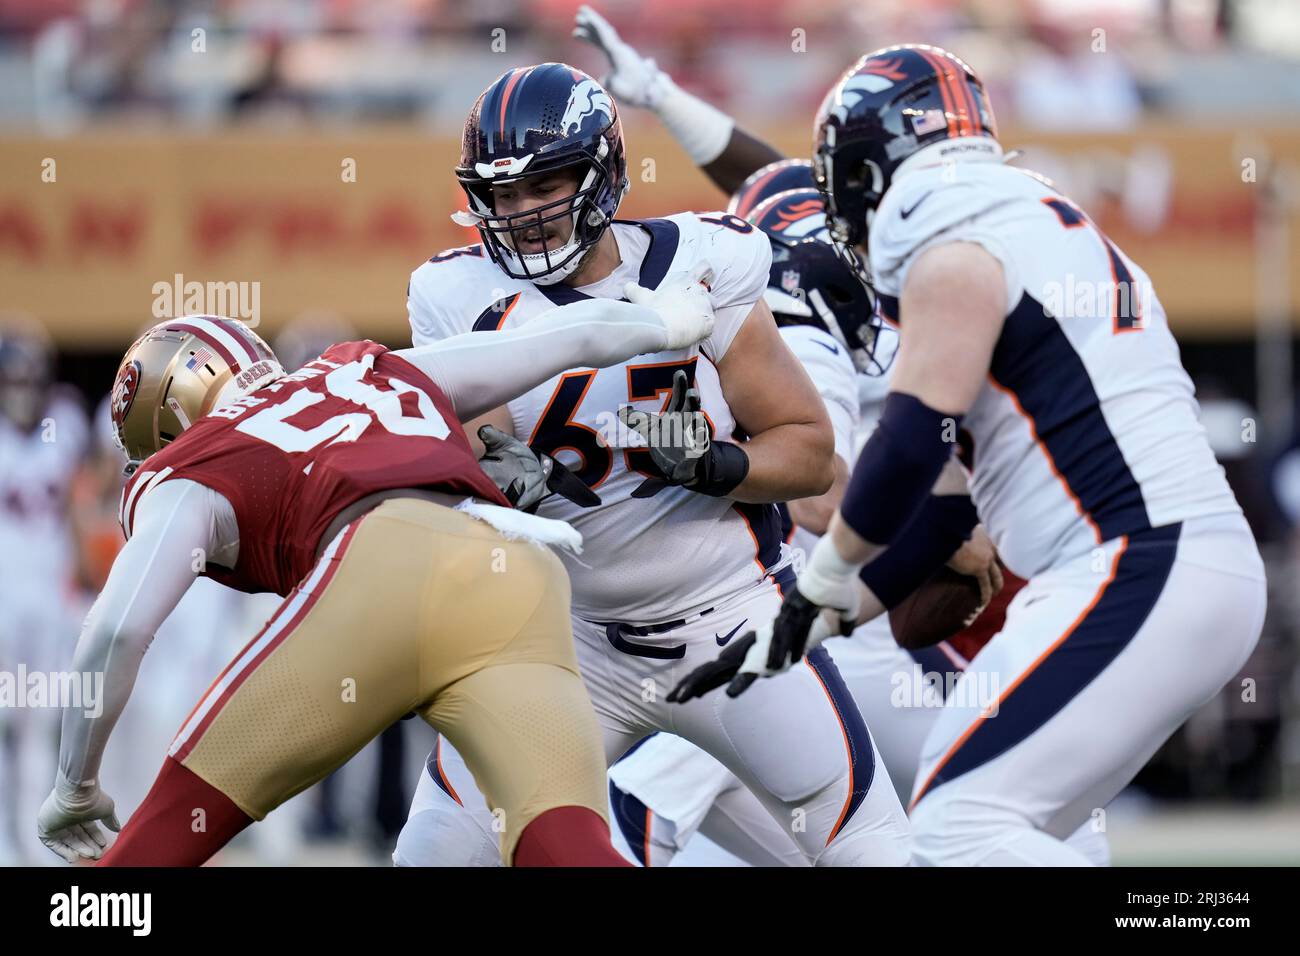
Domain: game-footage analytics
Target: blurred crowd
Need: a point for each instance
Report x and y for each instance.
(1051, 64)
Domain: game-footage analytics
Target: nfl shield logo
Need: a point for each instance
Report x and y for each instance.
(790, 281)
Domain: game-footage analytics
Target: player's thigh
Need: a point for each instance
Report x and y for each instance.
(1084, 683)
(336, 664)
(899, 697)
(799, 743)
(528, 734)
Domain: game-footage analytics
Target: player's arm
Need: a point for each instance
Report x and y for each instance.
(791, 449)
(480, 371)
(171, 537)
(815, 513)
(953, 304)
(725, 152)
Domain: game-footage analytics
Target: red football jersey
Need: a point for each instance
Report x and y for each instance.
(291, 456)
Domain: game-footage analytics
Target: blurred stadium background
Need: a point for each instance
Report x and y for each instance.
(302, 150)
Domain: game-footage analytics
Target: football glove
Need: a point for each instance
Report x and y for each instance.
(680, 447)
(632, 78)
(526, 477)
(68, 821)
(823, 603)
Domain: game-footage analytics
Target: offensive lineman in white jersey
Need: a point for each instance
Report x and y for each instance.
(685, 547)
(1089, 469)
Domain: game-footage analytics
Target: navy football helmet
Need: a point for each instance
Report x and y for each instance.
(531, 122)
(778, 177)
(26, 369)
(810, 284)
(885, 108)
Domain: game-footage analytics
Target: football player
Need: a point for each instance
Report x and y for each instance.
(43, 438)
(349, 489)
(686, 546)
(1089, 469)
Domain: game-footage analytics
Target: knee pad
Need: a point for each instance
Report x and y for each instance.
(445, 837)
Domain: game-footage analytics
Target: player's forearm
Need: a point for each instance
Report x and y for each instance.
(480, 371)
(814, 514)
(744, 155)
(792, 460)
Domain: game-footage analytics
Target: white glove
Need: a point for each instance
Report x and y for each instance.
(68, 821)
(682, 302)
(633, 78)
(828, 584)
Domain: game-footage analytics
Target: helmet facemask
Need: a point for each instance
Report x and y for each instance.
(501, 233)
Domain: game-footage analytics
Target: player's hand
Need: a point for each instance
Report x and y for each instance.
(632, 78)
(525, 477)
(678, 437)
(682, 302)
(823, 603)
(68, 822)
(978, 558)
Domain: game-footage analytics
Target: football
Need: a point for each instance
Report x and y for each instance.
(936, 610)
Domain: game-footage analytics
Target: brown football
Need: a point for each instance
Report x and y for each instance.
(936, 610)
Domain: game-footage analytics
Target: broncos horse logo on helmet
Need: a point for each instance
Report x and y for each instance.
(586, 99)
(531, 122)
(886, 108)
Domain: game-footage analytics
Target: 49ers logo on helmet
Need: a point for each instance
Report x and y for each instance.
(124, 389)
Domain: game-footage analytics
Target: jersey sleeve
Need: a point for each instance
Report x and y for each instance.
(832, 372)
(934, 207)
(741, 261)
(442, 293)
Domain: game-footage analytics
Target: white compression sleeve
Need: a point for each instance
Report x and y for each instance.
(703, 130)
(149, 577)
(480, 371)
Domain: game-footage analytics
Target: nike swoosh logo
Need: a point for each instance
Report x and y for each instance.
(907, 212)
(1034, 600)
(722, 641)
(828, 346)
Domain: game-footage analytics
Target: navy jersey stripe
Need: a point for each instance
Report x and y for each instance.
(490, 319)
(664, 236)
(1140, 573)
(765, 523)
(1035, 361)
(862, 757)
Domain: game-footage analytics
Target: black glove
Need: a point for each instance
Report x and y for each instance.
(786, 644)
(679, 445)
(526, 477)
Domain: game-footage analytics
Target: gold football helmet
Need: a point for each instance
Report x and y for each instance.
(180, 370)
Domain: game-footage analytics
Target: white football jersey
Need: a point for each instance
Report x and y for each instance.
(832, 371)
(644, 560)
(1087, 428)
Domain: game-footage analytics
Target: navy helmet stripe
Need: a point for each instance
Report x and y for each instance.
(861, 753)
(1088, 648)
(1035, 361)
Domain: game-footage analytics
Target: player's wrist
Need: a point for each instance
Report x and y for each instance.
(722, 469)
(828, 575)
